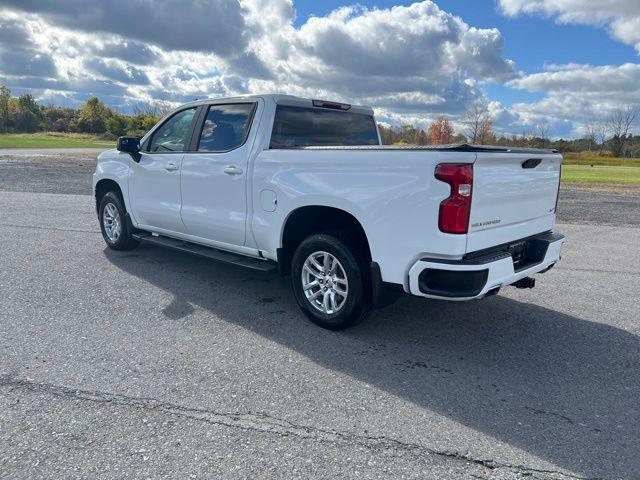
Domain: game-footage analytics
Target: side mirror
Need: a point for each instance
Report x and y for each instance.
(130, 145)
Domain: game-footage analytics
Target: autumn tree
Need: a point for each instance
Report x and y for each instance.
(403, 135)
(479, 124)
(57, 119)
(92, 116)
(620, 124)
(27, 116)
(590, 126)
(601, 132)
(117, 125)
(5, 97)
(441, 131)
(542, 136)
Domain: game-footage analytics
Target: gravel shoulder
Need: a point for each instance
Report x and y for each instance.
(598, 208)
(65, 173)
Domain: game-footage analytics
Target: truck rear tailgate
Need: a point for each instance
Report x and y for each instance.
(514, 196)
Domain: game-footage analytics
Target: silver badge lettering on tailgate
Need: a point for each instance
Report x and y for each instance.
(485, 224)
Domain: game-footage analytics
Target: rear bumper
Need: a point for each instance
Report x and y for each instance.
(480, 273)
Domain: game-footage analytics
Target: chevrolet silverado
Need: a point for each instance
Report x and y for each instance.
(304, 187)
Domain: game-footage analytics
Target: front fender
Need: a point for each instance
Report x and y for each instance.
(114, 166)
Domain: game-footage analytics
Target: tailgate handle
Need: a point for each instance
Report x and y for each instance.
(531, 163)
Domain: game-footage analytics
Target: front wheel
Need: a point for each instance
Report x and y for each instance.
(331, 282)
(116, 231)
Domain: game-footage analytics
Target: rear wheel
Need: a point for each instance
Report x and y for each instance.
(116, 231)
(331, 282)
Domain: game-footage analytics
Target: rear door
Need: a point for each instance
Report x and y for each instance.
(214, 177)
(514, 196)
(154, 181)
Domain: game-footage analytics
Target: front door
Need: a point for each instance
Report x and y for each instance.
(214, 178)
(154, 182)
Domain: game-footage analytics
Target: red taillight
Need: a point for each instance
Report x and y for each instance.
(455, 210)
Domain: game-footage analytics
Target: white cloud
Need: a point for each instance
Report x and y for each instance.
(585, 79)
(581, 91)
(575, 94)
(413, 59)
(212, 26)
(409, 60)
(621, 17)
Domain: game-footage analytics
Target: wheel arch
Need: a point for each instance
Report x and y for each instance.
(104, 186)
(309, 219)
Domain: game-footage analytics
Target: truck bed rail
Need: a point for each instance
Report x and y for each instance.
(455, 147)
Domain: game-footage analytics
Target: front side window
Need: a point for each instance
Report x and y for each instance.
(173, 135)
(307, 127)
(225, 127)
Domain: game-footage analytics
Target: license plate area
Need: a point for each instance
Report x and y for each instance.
(527, 253)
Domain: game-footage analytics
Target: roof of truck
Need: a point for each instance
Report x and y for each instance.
(280, 98)
(273, 96)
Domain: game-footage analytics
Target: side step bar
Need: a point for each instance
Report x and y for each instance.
(264, 266)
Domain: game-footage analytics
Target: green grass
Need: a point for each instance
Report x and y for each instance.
(53, 140)
(612, 175)
(587, 158)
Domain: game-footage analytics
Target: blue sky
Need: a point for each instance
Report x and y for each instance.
(562, 65)
(531, 41)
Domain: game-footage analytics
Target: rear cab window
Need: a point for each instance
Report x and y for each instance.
(225, 127)
(300, 126)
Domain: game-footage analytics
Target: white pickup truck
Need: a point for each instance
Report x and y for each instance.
(304, 187)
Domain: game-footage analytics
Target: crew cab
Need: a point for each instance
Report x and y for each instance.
(305, 188)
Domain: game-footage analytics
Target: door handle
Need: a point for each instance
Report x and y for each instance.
(233, 170)
(171, 167)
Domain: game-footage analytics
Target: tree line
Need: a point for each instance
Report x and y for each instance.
(613, 134)
(23, 114)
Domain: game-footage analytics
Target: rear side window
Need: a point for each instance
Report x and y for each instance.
(172, 135)
(225, 127)
(312, 127)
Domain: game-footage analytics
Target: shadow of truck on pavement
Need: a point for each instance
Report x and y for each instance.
(559, 387)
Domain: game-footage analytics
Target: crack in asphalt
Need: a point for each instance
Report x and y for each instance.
(562, 417)
(538, 411)
(264, 423)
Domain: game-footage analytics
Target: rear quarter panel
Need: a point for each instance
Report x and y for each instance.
(393, 194)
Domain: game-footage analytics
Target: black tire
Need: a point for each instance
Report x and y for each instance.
(357, 304)
(124, 241)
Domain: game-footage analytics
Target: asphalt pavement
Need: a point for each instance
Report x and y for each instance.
(155, 364)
